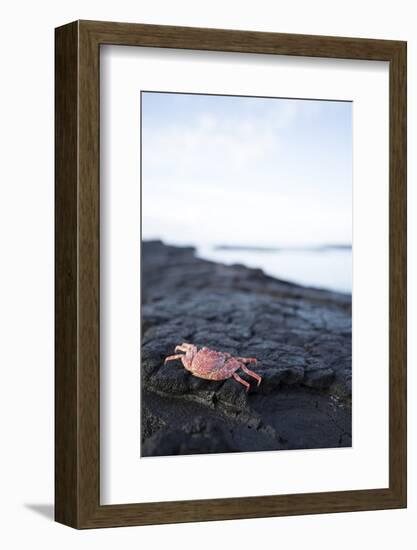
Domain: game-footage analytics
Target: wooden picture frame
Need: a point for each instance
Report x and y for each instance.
(77, 374)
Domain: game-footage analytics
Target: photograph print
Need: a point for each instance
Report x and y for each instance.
(246, 274)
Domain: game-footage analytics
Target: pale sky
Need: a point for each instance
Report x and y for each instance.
(246, 171)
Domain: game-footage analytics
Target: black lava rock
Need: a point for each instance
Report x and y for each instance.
(300, 336)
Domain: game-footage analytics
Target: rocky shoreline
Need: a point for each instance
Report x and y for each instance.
(300, 336)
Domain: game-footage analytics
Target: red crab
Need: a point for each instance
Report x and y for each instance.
(214, 365)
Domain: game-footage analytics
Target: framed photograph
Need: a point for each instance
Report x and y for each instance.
(230, 274)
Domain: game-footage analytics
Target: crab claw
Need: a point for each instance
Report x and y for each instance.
(183, 347)
(172, 358)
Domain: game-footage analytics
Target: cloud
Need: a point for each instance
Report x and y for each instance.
(209, 147)
(265, 172)
(217, 214)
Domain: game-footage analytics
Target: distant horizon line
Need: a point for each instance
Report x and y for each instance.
(257, 248)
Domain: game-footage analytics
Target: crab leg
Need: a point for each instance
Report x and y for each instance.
(239, 379)
(247, 360)
(180, 348)
(172, 357)
(186, 347)
(253, 374)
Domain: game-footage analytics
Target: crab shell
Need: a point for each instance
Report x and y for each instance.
(213, 365)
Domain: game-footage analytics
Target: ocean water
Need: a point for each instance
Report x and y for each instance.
(328, 268)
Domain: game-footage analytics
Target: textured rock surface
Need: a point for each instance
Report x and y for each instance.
(301, 337)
